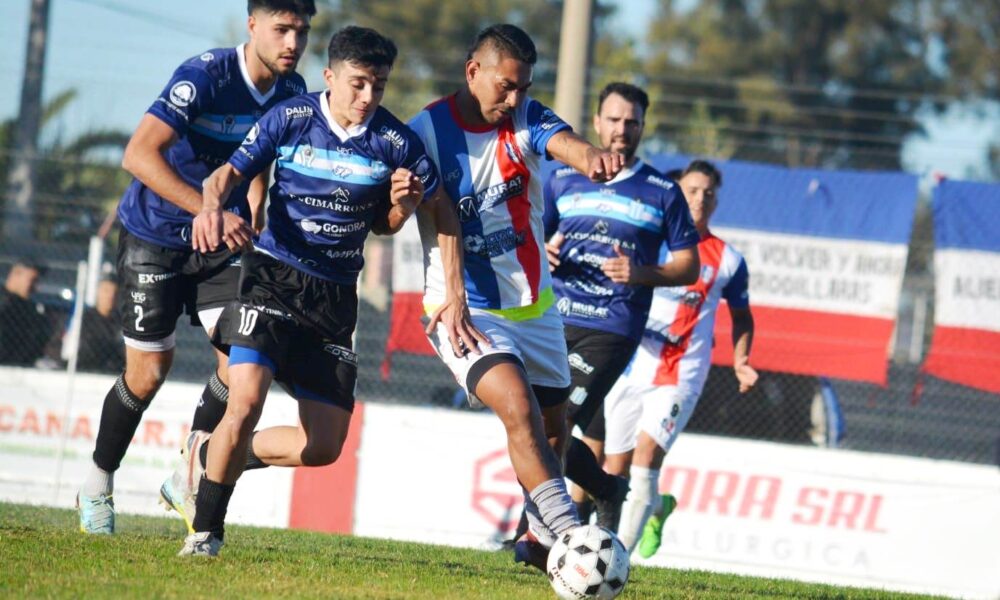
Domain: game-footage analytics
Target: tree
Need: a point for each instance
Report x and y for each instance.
(78, 182)
(833, 83)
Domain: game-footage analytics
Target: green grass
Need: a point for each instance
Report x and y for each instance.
(43, 555)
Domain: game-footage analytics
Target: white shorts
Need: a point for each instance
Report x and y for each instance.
(539, 343)
(661, 411)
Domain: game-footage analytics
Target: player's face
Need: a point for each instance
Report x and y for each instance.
(498, 83)
(619, 125)
(279, 38)
(22, 281)
(699, 192)
(355, 91)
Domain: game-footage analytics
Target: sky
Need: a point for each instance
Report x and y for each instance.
(118, 54)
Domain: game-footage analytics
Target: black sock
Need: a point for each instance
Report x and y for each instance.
(119, 419)
(211, 505)
(212, 405)
(253, 461)
(582, 468)
(522, 525)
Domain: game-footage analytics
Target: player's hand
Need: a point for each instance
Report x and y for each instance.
(746, 375)
(206, 230)
(552, 249)
(619, 267)
(237, 234)
(604, 165)
(406, 190)
(463, 335)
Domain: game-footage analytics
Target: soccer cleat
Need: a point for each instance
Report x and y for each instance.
(97, 514)
(652, 533)
(202, 543)
(609, 510)
(529, 551)
(179, 491)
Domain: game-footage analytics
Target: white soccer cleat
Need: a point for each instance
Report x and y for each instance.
(180, 490)
(97, 514)
(202, 543)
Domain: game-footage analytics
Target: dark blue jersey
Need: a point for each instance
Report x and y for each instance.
(329, 182)
(211, 103)
(639, 210)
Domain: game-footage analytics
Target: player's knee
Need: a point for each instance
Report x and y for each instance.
(145, 380)
(318, 454)
(243, 414)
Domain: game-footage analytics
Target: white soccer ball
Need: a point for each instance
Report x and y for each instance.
(588, 562)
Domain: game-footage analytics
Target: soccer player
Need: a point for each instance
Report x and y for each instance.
(343, 163)
(201, 116)
(487, 140)
(604, 245)
(658, 393)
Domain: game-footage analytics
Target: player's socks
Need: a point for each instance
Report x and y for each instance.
(555, 507)
(211, 505)
(212, 405)
(639, 504)
(584, 470)
(119, 419)
(98, 482)
(253, 461)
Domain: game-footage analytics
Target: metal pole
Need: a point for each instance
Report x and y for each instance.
(19, 219)
(73, 338)
(574, 54)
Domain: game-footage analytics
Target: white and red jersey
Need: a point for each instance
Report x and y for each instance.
(492, 175)
(676, 346)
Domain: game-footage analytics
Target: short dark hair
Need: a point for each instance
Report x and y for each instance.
(674, 174)
(705, 168)
(632, 93)
(509, 40)
(363, 46)
(299, 7)
(31, 262)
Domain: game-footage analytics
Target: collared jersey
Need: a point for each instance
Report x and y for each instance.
(639, 211)
(491, 174)
(676, 347)
(328, 181)
(211, 103)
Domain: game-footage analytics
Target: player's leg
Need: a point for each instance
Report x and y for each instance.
(665, 412)
(218, 286)
(596, 359)
(593, 438)
(150, 300)
(252, 374)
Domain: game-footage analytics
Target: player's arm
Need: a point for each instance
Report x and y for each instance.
(209, 227)
(571, 149)
(742, 340)
(454, 311)
(405, 193)
(144, 159)
(257, 197)
(682, 269)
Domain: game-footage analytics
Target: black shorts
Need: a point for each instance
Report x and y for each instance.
(301, 324)
(156, 285)
(596, 360)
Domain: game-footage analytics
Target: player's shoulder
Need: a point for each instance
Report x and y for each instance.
(214, 63)
(731, 257)
(650, 176)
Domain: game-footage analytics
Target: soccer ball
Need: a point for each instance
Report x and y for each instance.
(588, 562)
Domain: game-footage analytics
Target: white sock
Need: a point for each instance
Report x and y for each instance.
(98, 482)
(551, 511)
(639, 504)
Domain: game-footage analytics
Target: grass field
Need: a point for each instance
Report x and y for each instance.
(43, 554)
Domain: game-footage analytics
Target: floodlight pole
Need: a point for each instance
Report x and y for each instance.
(574, 55)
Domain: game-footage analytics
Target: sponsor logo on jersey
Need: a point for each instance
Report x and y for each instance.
(335, 254)
(576, 361)
(599, 238)
(138, 297)
(207, 57)
(494, 244)
(298, 112)
(601, 227)
(295, 87)
(469, 207)
(331, 229)
(339, 205)
(548, 120)
(392, 136)
(345, 354)
(148, 278)
(306, 156)
(571, 308)
(565, 172)
(588, 287)
(252, 135)
(578, 395)
(183, 93)
(661, 182)
(585, 258)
